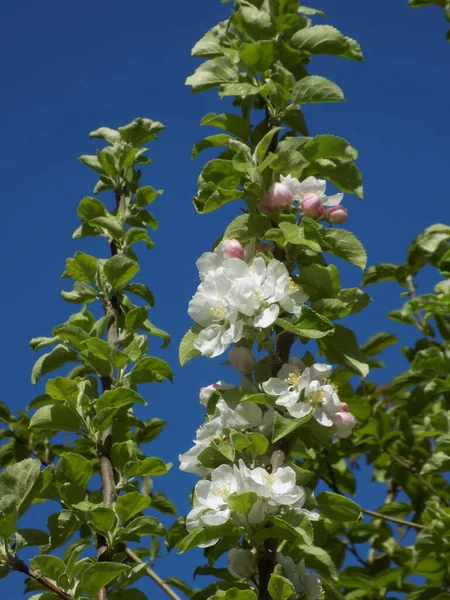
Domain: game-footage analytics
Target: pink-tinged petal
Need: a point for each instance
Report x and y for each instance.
(332, 200)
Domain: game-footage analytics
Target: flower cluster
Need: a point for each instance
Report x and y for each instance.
(275, 491)
(242, 564)
(234, 293)
(246, 416)
(305, 390)
(310, 196)
(308, 585)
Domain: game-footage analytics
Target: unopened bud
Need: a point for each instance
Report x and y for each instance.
(233, 249)
(343, 407)
(241, 359)
(344, 422)
(279, 195)
(312, 206)
(242, 563)
(336, 214)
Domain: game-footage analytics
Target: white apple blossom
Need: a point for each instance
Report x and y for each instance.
(236, 292)
(311, 185)
(305, 583)
(277, 488)
(246, 416)
(304, 390)
(242, 563)
(210, 500)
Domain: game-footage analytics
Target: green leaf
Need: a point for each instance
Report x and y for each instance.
(313, 88)
(8, 516)
(212, 73)
(187, 351)
(263, 146)
(298, 526)
(260, 56)
(141, 290)
(338, 508)
(90, 208)
(56, 358)
(319, 560)
(119, 397)
(309, 324)
(97, 576)
(22, 481)
(319, 281)
(235, 124)
(246, 227)
(62, 388)
(153, 466)
(342, 348)
(92, 162)
(131, 504)
(212, 141)
(145, 526)
(102, 519)
(82, 293)
(381, 272)
(82, 267)
(345, 245)
(163, 504)
(146, 195)
(106, 133)
(119, 270)
(56, 418)
(255, 23)
(140, 131)
(111, 224)
(103, 350)
(324, 39)
(150, 369)
(48, 565)
(242, 503)
(283, 426)
(280, 588)
(378, 342)
(328, 146)
(74, 468)
(203, 535)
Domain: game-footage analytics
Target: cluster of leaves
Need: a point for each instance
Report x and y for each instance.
(107, 348)
(445, 4)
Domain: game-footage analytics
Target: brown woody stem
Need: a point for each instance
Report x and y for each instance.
(20, 566)
(156, 578)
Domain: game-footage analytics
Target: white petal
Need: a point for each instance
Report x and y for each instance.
(332, 200)
(311, 185)
(193, 518)
(299, 410)
(321, 417)
(288, 399)
(320, 371)
(211, 342)
(267, 316)
(215, 517)
(275, 386)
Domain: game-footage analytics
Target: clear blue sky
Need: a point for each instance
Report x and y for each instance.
(70, 67)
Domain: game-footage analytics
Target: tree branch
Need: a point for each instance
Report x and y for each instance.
(20, 566)
(414, 471)
(151, 573)
(378, 515)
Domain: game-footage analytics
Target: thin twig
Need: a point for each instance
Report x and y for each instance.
(351, 547)
(378, 515)
(20, 566)
(151, 573)
(414, 471)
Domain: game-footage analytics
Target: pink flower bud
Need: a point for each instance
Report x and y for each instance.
(343, 422)
(343, 407)
(336, 214)
(241, 359)
(206, 393)
(279, 195)
(312, 206)
(233, 249)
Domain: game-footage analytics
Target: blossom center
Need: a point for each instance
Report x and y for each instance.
(293, 379)
(217, 311)
(223, 491)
